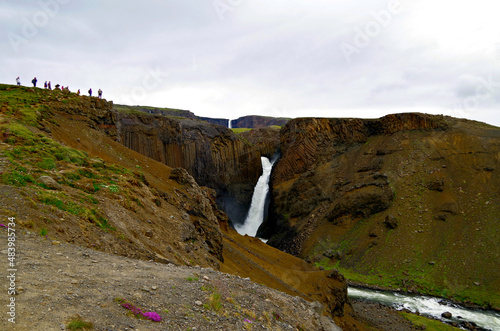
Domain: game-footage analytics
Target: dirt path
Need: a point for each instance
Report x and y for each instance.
(57, 281)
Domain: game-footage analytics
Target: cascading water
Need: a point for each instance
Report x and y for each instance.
(230, 124)
(429, 306)
(255, 215)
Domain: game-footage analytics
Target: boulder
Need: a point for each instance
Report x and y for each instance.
(446, 314)
(391, 222)
(436, 185)
(49, 182)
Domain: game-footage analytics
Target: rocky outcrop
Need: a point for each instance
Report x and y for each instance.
(212, 154)
(309, 141)
(206, 225)
(266, 140)
(97, 111)
(255, 122)
(389, 195)
(170, 112)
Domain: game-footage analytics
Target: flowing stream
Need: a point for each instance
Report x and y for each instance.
(429, 306)
(255, 215)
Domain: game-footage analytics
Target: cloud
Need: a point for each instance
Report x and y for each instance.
(226, 58)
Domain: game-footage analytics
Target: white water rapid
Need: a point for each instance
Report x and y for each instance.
(429, 306)
(255, 215)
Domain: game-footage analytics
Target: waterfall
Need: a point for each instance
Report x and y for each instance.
(230, 124)
(255, 215)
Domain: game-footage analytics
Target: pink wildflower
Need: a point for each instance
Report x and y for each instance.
(152, 316)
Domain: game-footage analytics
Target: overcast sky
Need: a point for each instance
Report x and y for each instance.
(286, 58)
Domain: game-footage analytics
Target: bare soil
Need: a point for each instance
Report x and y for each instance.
(58, 281)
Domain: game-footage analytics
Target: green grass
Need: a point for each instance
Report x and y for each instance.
(77, 323)
(240, 130)
(47, 164)
(17, 177)
(60, 201)
(430, 324)
(423, 282)
(214, 302)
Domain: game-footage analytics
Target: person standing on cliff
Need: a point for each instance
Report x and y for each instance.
(34, 82)
(45, 85)
(99, 94)
(90, 92)
(49, 85)
(18, 81)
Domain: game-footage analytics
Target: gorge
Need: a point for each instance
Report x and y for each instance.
(407, 202)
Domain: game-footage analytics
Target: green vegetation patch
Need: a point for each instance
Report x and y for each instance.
(60, 201)
(240, 130)
(429, 324)
(77, 323)
(17, 177)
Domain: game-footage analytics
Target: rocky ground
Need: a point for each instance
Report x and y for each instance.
(381, 317)
(58, 281)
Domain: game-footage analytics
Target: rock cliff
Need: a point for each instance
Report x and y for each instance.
(212, 154)
(255, 122)
(408, 199)
(266, 140)
(170, 112)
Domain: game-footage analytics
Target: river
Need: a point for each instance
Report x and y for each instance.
(429, 306)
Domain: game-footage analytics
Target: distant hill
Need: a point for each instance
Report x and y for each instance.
(256, 122)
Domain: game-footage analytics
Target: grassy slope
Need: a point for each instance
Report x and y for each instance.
(109, 197)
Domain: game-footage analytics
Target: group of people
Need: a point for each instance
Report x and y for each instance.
(48, 85)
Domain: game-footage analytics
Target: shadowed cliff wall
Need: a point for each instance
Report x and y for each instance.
(212, 154)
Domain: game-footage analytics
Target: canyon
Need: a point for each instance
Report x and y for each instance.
(407, 202)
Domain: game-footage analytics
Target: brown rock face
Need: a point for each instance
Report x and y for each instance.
(310, 141)
(212, 154)
(99, 111)
(389, 195)
(256, 122)
(265, 140)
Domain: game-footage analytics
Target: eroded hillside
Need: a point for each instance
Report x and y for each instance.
(408, 201)
(67, 178)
